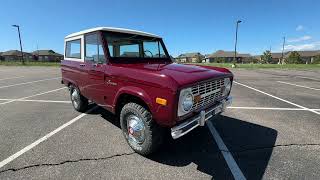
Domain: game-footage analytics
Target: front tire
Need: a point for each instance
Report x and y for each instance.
(143, 135)
(79, 102)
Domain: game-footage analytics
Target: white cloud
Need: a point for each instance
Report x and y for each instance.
(302, 47)
(299, 28)
(303, 38)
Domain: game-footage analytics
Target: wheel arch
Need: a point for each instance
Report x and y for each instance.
(132, 94)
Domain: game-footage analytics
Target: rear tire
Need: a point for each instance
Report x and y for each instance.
(79, 102)
(143, 135)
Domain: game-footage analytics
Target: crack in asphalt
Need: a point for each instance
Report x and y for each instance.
(269, 147)
(128, 154)
(67, 161)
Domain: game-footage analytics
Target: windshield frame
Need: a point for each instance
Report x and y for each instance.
(134, 59)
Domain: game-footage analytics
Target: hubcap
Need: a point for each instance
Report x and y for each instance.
(135, 130)
(75, 97)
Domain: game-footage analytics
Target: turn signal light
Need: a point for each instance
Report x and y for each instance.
(161, 101)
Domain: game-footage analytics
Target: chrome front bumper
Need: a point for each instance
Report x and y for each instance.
(200, 119)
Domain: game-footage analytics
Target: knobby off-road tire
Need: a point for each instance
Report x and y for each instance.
(143, 135)
(79, 102)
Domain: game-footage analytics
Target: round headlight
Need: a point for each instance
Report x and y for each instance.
(227, 86)
(187, 102)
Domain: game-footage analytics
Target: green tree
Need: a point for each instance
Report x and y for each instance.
(294, 58)
(199, 59)
(220, 60)
(316, 60)
(266, 57)
(252, 60)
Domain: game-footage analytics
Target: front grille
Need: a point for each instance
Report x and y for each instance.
(208, 91)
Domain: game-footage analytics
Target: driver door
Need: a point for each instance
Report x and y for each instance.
(96, 64)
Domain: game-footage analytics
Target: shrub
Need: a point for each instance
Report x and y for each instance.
(294, 58)
(316, 60)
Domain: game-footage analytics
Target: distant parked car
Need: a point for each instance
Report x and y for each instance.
(131, 74)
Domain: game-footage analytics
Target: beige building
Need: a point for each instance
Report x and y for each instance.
(190, 58)
(227, 56)
(47, 55)
(15, 55)
(306, 56)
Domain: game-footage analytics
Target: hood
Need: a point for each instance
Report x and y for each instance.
(182, 74)
(189, 74)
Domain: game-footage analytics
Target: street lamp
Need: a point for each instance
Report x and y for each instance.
(235, 44)
(17, 26)
(282, 56)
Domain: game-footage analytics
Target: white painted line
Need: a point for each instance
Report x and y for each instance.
(270, 108)
(28, 82)
(233, 166)
(298, 85)
(36, 100)
(308, 78)
(12, 78)
(47, 136)
(278, 98)
(13, 100)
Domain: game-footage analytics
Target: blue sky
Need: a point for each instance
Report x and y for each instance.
(186, 26)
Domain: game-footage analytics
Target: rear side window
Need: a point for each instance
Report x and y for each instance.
(73, 49)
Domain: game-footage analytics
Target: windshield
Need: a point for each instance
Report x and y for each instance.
(133, 46)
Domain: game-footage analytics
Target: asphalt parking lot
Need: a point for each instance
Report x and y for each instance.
(271, 131)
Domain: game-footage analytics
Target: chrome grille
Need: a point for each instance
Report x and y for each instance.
(208, 91)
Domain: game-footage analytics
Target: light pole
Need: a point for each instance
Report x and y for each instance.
(282, 56)
(235, 44)
(17, 26)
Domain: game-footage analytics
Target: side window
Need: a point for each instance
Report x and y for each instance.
(93, 48)
(73, 49)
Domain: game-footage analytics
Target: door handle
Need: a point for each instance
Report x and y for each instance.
(82, 65)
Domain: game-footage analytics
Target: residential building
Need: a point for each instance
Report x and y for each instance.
(15, 55)
(276, 57)
(47, 55)
(306, 56)
(190, 57)
(227, 56)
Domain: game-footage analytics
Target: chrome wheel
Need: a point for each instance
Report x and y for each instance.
(75, 98)
(136, 130)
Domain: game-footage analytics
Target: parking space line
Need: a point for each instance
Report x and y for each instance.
(12, 78)
(303, 77)
(30, 82)
(32, 96)
(297, 105)
(270, 108)
(36, 100)
(298, 85)
(47, 136)
(233, 166)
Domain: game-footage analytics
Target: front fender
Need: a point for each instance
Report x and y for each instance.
(135, 91)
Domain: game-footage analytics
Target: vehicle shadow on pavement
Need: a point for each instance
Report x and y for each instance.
(251, 146)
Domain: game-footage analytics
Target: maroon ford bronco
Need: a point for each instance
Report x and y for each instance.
(131, 74)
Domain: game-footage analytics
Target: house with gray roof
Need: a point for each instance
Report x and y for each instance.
(276, 57)
(307, 56)
(15, 55)
(190, 57)
(47, 55)
(227, 56)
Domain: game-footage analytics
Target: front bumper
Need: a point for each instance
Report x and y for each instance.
(200, 119)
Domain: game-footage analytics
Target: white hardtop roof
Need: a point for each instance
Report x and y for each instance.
(112, 29)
